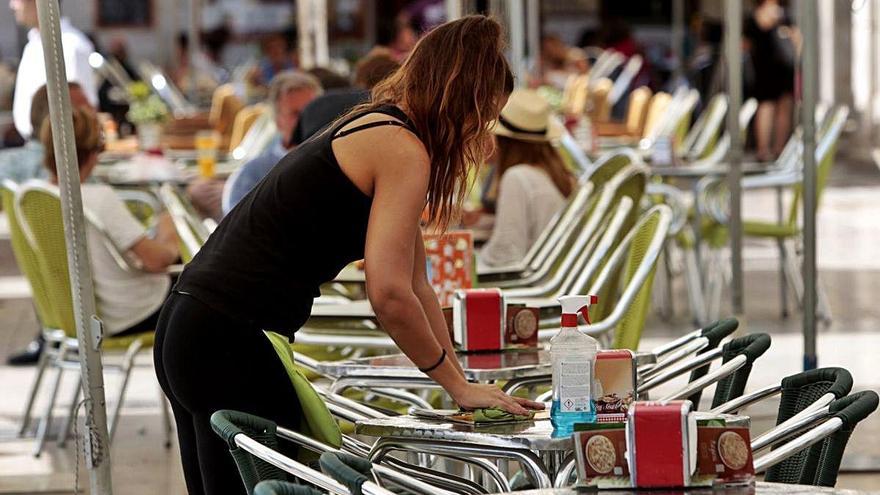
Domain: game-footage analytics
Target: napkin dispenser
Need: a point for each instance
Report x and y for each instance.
(478, 319)
(662, 441)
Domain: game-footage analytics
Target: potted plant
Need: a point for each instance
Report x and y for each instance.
(147, 112)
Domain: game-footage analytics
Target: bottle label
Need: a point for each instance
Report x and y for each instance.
(574, 385)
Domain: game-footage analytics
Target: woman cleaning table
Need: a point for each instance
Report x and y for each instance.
(357, 190)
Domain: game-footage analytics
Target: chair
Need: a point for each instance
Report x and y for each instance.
(631, 265)
(634, 122)
(192, 231)
(738, 356)
(225, 105)
(813, 458)
(244, 120)
(705, 130)
(786, 231)
(27, 262)
(39, 214)
(625, 78)
(254, 445)
(278, 487)
(599, 107)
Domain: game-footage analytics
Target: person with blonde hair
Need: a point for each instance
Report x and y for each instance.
(533, 181)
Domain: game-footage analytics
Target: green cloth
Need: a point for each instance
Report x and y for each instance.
(497, 415)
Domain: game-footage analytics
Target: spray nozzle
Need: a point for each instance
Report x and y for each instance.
(572, 305)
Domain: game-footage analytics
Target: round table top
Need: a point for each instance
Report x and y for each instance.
(760, 488)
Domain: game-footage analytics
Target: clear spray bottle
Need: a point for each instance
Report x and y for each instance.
(573, 355)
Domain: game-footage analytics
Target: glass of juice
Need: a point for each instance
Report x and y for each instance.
(207, 142)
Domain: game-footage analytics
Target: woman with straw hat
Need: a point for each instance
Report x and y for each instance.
(533, 182)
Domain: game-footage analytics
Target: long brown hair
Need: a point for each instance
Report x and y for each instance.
(512, 152)
(452, 86)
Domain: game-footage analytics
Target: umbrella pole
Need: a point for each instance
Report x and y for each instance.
(96, 441)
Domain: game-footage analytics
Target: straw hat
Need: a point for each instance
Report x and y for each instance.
(527, 117)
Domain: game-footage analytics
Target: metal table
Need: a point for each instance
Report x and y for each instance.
(397, 370)
(760, 488)
(530, 443)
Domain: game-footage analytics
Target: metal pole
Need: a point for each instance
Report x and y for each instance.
(454, 10)
(303, 24)
(516, 26)
(319, 23)
(193, 30)
(96, 441)
(533, 31)
(809, 75)
(732, 43)
(678, 39)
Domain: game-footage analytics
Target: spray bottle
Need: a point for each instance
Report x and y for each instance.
(573, 355)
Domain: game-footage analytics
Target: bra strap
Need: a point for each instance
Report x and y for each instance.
(370, 125)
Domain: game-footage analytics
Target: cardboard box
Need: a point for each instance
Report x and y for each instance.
(601, 456)
(450, 263)
(662, 443)
(478, 319)
(615, 386)
(522, 326)
(724, 456)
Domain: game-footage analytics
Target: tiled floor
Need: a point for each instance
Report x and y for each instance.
(850, 268)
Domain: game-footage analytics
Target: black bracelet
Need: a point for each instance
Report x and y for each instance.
(437, 365)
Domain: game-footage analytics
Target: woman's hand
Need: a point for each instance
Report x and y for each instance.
(475, 395)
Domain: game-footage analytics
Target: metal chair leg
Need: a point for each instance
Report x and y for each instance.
(127, 365)
(64, 433)
(42, 363)
(46, 420)
(824, 308)
(783, 282)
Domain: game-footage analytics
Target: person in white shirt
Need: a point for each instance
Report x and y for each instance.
(128, 301)
(533, 181)
(32, 71)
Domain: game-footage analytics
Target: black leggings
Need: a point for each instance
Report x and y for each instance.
(206, 361)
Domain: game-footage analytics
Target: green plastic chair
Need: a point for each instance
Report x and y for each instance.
(27, 262)
(626, 281)
(39, 213)
(317, 421)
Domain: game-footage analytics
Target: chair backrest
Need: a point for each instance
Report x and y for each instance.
(632, 267)
(225, 105)
(714, 332)
(607, 63)
(278, 487)
(40, 218)
(608, 165)
(609, 223)
(572, 154)
(826, 149)
(193, 233)
(252, 469)
(637, 110)
(243, 122)
(624, 80)
(575, 95)
(732, 386)
(26, 258)
(706, 130)
(799, 392)
(317, 421)
(656, 110)
(821, 449)
(600, 107)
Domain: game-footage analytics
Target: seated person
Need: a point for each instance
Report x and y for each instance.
(533, 182)
(128, 301)
(26, 162)
(289, 94)
(369, 71)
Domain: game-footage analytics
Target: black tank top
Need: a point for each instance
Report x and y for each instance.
(293, 232)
